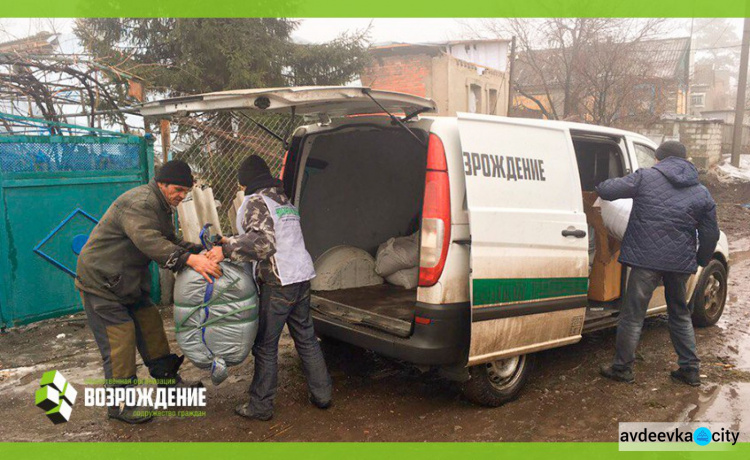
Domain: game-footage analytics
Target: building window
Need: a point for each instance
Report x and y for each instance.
(492, 109)
(698, 100)
(475, 98)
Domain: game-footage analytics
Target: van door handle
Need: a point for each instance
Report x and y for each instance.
(576, 233)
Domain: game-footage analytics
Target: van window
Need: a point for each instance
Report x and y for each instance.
(646, 156)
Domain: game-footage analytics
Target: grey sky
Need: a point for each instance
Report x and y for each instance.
(320, 29)
(310, 30)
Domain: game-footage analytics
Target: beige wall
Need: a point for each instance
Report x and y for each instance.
(452, 80)
(441, 77)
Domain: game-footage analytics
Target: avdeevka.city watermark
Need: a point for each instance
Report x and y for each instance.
(55, 396)
(678, 436)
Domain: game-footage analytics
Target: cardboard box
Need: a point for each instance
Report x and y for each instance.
(605, 280)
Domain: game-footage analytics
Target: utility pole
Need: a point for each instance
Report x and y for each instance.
(739, 107)
(510, 74)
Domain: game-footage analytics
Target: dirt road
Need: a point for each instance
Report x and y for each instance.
(380, 400)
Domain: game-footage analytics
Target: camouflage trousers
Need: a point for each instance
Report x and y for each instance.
(121, 329)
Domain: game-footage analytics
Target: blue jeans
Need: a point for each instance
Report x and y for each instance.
(288, 305)
(641, 285)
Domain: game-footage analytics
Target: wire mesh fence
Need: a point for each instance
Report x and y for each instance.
(31, 145)
(215, 144)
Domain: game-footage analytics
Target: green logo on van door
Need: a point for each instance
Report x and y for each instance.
(285, 211)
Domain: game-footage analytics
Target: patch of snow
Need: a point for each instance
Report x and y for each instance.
(725, 172)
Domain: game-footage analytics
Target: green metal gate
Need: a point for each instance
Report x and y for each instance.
(56, 181)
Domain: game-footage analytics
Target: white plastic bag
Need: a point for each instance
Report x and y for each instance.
(397, 254)
(615, 215)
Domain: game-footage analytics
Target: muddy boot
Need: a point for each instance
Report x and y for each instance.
(165, 369)
(617, 375)
(318, 404)
(688, 376)
(244, 410)
(129, 414)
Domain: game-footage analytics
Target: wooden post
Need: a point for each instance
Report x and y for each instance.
(164, 128)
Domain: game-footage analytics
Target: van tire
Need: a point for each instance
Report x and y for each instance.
(495, 383)
(710, 294)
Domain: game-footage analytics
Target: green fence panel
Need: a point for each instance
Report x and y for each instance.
(53, 190)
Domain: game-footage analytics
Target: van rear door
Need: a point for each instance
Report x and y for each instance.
(331, 101)
(529, 236)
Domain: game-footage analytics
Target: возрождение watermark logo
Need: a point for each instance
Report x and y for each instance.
(56, 396)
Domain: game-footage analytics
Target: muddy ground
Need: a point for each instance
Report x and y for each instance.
(381, 400)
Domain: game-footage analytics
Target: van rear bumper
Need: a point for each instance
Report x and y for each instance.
(443, 342)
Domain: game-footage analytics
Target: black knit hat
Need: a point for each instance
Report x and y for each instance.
(252, 167)
(175, 172)
(671, 149)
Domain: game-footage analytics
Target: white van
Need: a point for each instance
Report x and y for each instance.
(499, 203)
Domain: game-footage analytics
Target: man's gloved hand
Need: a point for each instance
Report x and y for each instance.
(205, 266)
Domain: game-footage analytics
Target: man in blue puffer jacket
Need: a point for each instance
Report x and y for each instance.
(670, 208)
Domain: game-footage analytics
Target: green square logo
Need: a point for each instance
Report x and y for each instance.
(55, 396)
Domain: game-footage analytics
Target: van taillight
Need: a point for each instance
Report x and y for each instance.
(436, 215)
(283, 165)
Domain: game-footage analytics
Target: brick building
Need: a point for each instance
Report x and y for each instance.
(465, 76)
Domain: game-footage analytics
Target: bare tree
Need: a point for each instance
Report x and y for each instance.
(579, 68)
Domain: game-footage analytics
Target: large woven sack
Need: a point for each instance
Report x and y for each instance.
(616, 215)
(407, 278)
(397, 254)
(219, 331)
(344, 267)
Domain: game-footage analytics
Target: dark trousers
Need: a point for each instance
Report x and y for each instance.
(288, 305)
(641, 286)
(121, 329)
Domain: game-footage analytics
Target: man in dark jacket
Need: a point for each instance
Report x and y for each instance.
(115, 283)
(270, 234)
(670, 207)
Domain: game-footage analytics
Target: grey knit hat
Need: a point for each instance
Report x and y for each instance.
(671, 149)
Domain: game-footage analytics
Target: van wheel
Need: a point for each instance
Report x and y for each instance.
(710, 295)
(498, 382)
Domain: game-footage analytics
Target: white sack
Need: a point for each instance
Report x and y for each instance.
(615, 215)
(397, 254)
(407, 278)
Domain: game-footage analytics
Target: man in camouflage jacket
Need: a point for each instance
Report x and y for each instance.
(270, 234)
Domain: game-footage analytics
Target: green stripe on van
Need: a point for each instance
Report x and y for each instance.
(498, 291)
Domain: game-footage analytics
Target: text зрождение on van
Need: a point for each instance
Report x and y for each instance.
(492, 166)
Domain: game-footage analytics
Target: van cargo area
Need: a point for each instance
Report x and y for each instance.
(360, 187)
(600, 158)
